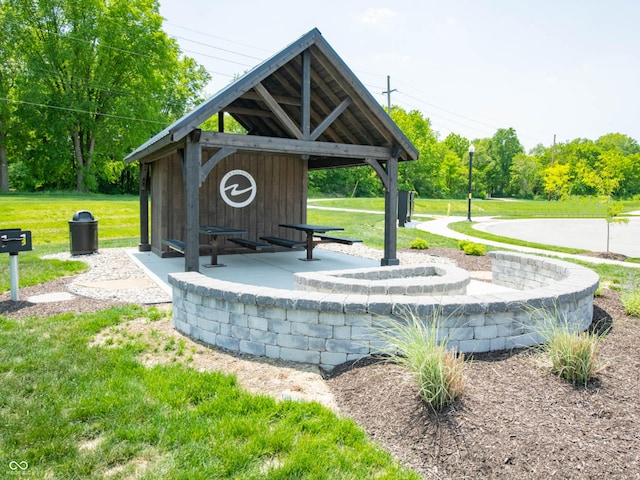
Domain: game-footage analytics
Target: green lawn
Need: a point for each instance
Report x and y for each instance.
(513, 208)
(48, 215)
(70, 410)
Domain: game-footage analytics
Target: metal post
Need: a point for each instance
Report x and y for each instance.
(13, 276)
(470, 170)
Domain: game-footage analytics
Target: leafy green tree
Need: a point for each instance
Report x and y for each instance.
(614, 209)
(484, 169)
(423, 176)
(9, 70)
(101, 77)
(526, 174)
(457, 144)
(581, 156)
(455, 175)
(557, 181)
(503, 148)
(620, 142)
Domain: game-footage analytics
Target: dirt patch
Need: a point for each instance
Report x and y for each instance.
(165, 345)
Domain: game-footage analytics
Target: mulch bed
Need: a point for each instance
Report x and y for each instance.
(515, 420)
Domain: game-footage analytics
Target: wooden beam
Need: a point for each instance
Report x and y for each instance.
(305, 119)
(379, 169)
(248, 111)
(144, 245)
(240, 87)
(391, 215)
(216, 158)
(277, 110)
(191, 171)
(330, 118)
(298, 147)
(281, 99)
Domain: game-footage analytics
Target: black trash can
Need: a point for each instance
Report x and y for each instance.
(83, 233)
(405, 206)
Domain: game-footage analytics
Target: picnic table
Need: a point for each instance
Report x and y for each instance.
(213, 232)
(313, 231)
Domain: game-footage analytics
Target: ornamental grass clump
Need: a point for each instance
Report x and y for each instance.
(414, 343)
(631, 301)
(574, 356)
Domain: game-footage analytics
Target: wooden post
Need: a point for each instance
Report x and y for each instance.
(144, 245)
(391, 214)
(191, 176)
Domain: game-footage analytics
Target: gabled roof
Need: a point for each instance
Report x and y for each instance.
(304, 93)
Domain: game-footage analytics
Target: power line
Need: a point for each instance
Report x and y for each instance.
(218, 38)
(76, 110)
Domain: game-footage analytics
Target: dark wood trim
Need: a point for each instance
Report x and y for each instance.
(379, 169)
(281, 99)
(298, 147)
(284, 119)
(319, 130)
(391, 215)
(213, 161)
(144, 245)
(191, 172)
(305, 121)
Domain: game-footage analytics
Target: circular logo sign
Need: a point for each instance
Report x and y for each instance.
(238, 188)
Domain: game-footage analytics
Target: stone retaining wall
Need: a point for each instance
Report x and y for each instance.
(433, 279)
(329, 329)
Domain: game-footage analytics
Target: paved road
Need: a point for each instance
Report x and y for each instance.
(588, 234)
(439, 226)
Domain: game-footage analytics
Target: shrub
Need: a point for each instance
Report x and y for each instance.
(474, 249)
(413, 343)
(419, 244)
(631, 302)
(573, 355)
(462, 244)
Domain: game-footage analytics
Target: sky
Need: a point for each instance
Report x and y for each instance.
(543, 67)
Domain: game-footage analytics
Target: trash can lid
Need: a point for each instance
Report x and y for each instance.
(83, 216)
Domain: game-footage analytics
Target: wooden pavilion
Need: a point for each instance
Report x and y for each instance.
(303, 109)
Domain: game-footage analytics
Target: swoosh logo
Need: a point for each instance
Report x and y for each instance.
(235, 190)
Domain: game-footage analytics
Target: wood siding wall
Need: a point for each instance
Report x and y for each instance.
(281, 197)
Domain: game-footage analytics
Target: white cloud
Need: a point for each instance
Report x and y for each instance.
(376, 16)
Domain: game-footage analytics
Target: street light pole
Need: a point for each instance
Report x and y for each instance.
(470, 169)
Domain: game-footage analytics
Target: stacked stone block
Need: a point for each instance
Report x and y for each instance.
(328, 329)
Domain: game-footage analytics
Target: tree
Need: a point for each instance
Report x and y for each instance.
(556, 180)
(614, 209)
(423, 176)
(102, 77)
(503, 148)
(457, 144)
(526, 174)
(9, 69)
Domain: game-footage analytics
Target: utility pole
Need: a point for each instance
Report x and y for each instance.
(388, 93)
(553, 151)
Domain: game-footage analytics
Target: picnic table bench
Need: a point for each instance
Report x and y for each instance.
(176, 245)
(285, 242)
(332, 239)
(257, 246)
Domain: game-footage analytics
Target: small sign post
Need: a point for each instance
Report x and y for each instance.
(12, 241)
